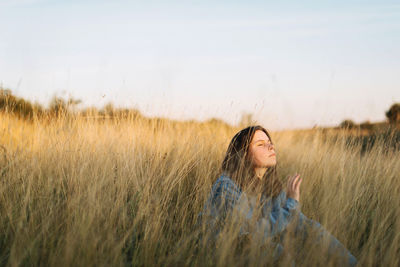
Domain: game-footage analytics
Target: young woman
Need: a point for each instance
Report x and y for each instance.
(249, 186)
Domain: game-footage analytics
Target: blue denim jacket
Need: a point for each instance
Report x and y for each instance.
(277, 213)
(226, 196)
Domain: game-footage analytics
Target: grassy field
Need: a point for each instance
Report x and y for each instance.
(78, 192)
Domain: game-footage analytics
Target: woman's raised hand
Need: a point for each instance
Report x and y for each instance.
(293, 187)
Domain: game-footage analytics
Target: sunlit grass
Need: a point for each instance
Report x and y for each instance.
(127, 192)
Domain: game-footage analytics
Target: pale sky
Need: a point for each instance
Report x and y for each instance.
(293, 64)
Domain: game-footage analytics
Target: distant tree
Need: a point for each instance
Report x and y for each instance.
(23, 108)
(7, 100)
(366, 125)
(109, 109)
(72, 103)
(393, 114)
(347, 124)
(17, 106)
(58, 106)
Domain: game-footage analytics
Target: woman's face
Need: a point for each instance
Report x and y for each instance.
(261, 151)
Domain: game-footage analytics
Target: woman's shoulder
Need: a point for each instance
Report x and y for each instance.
(225, 183)
(225, 179)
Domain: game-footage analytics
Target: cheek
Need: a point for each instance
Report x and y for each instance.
(259, 156)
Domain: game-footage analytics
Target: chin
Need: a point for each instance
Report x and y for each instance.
(272, 164)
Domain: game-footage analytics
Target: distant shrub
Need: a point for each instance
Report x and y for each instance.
(367, 126)
(18, 106)
(347, 124)
(58, 106)
(61, 107)
(393, 114)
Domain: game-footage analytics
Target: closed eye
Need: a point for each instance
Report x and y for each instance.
(262, 144)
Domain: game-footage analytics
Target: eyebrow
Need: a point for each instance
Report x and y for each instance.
(262, 140)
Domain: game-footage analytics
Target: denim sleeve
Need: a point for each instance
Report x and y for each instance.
(278, 218)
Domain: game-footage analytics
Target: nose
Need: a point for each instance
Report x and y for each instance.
(271, 146)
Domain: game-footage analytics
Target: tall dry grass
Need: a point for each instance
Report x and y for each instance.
(76, 192)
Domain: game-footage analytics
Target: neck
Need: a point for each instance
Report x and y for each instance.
(260, 172)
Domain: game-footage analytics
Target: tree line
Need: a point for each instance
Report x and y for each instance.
(392, 117)
(58, 107)
(67, 108)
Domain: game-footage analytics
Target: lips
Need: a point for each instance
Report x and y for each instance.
(272, 155)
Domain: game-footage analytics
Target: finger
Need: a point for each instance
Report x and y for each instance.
(296, 181)
(293, 183)
(299, 183)
(289, 184)
(293, 178)
(299, 178)
(289, 181)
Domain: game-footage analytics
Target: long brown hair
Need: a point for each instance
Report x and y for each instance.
(238, 167)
